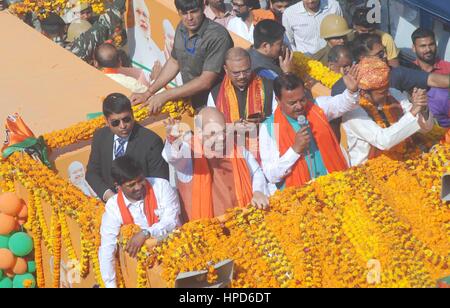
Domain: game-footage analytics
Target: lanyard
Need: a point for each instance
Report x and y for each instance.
(187, 48)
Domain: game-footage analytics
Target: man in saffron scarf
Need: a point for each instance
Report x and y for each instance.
(382, 121)
(294, 152)
(150, 203)
(242, 93)
(214, 173)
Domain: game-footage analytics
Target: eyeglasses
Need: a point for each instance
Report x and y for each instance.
(126, 120)
(238, 74)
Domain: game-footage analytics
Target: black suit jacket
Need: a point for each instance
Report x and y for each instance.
(144, 146)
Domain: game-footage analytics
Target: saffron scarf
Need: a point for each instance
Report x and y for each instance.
(150, 205)
(324, 136)
(110, 71)
(228, 104)
(202, 200)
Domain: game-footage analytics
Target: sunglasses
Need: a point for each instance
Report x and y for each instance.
(125, 120)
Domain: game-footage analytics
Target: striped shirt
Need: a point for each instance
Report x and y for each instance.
(303, 28)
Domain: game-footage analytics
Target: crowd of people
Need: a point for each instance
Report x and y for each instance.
(257, 128)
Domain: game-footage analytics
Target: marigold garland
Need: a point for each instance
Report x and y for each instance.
(65, 200)
(42, 8)
(345, 221)
(56, 245)
(306, 67)
(85, 130)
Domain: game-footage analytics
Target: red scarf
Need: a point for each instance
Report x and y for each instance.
(228, 104)
(150, 205)
(324, 136)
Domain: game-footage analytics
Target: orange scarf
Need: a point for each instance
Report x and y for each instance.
(261, 14)
(110, 71)
(202, 200)
(150, 205)
(326, 142)
(228, 104)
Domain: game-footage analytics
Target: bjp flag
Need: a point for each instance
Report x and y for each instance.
(20, 138)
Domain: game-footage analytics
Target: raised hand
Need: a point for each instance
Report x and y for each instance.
(286, 61)
(351, 79)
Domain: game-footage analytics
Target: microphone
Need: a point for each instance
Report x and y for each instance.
(302, 121)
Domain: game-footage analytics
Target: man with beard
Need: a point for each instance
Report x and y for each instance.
(401, 78)
(244, 22)
(218, 11)
(77, 176)
(424, 45)
(274, 12)
(144, 50)
(214, 173)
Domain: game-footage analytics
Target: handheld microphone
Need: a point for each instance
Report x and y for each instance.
(302, 121)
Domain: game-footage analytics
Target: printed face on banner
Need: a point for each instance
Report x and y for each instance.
(146, 52)
(77, 176)
(142, 18)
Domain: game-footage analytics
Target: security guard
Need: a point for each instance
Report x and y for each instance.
(334, 29)
(76, 28)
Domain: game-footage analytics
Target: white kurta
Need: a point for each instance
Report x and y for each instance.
(168, 219)
(277, 167)
(128, 82)
(181, 159)
(239, 27)
(363, 132)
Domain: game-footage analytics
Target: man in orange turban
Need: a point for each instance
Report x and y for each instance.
(382, 121)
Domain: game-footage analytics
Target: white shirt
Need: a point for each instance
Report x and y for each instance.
(276, 168)
(239, 27)
(168, 219)
(128, 82)
(362, 132)
(181, 159)
(303, 28)
(212, 103)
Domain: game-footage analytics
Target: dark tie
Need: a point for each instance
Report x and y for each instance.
(120, 148)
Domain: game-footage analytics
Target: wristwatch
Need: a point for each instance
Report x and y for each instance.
(146, 233)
